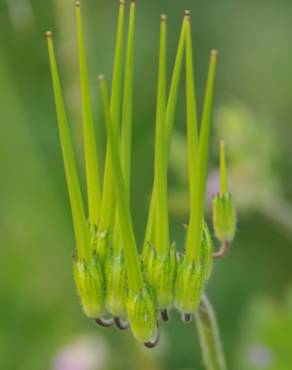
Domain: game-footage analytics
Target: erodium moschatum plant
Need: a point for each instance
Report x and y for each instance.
(117, 282)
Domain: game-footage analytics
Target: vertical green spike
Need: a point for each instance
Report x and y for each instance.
(192, 124)
(116, 278)
(160, 167)
(77, 208)
(127, 109)
(116, 100)
(196, 219)
(223, 177)
(169, 118)
(108, 201)
(173, 92)
(91, 159)
(126, 124)
(135, 279)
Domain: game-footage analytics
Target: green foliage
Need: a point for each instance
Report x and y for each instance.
(35, 250)
(129, 289)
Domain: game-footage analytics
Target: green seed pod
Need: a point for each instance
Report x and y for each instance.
(224, 218)
(162, 276)
(189, 285)
(116, 284)
(149, 260)
(90, 286)
(206, 251)
(142, 314)
(102, 242)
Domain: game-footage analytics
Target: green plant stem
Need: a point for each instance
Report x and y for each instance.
(208, 332)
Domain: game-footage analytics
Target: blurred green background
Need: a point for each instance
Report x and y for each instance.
(41, 324)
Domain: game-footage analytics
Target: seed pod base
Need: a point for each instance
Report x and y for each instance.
(141, 309)
(90, 286)
(189, 286)
(162, 276)
(116, 284)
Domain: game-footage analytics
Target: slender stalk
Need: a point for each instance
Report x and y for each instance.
(196, 219)
(108, 201)
(192, 121)
(127, 110)
(135, 279)
(169, 119)
(126, 120)
(160, 166)
(208, 332)
(91, 159)
(223, 176)
(76, 202)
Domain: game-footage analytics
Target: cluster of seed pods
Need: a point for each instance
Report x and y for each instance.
(117, 284)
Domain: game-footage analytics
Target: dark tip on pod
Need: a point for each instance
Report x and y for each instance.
(186, 317)
(164, 314)
(105, 323)
(120, 324)
(154, 341)
(77, 4)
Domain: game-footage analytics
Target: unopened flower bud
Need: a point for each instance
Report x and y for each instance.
(116, 284)
(141, 308)
(90, 286)
(224, 218)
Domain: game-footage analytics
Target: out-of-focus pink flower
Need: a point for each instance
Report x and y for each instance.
(85, 353)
